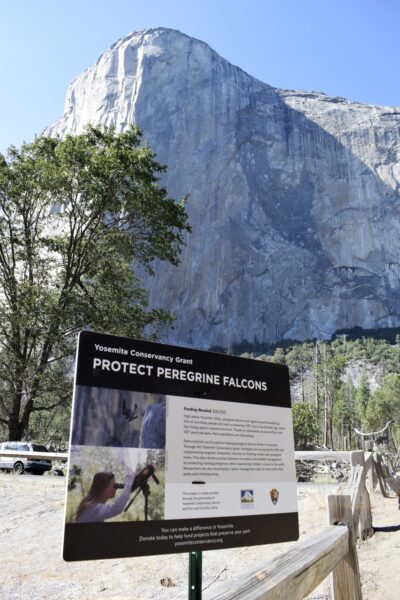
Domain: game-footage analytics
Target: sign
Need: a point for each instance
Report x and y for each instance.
(176, 450)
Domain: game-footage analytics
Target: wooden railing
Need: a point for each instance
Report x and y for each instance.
(63, 456)
(332, 552)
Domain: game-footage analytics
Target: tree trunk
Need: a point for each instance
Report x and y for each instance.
(14, 430)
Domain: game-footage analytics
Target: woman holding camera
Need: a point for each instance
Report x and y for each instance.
(93, 508)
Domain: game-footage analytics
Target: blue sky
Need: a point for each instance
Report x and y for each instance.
(348, 48)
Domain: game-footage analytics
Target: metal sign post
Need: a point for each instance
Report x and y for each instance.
(195, 575)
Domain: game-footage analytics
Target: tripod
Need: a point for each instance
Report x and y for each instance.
(145, 489)
(141, 482)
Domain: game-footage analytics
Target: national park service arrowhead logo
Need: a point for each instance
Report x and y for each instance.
(274, 493)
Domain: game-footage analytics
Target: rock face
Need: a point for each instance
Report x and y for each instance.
(100, 419)
(293, 197)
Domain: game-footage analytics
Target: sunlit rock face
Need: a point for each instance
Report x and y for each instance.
(293, 197)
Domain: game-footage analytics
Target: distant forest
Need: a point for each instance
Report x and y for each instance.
(350, 381)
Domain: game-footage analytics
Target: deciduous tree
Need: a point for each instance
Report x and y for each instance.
(79, 218)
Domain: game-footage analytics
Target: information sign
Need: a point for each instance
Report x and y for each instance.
(176, 450)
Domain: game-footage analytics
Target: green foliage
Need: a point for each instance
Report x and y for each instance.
(384, 404)
(299, 357)
(278, 357)
(305, 425)
(319, 376)
(362, 397)
(79, 218)
(329, 369)
(344, 415)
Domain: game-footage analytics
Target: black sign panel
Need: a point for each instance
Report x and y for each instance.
(174, 449)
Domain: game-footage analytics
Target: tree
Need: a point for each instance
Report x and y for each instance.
(279, 356)
(330, 369)
(299, 360)
(305, 425)
(344, 414)
(78, 218)
(384, 404)
(362, 399)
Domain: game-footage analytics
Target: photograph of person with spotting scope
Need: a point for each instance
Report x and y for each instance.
(94, 484)
(93, 507)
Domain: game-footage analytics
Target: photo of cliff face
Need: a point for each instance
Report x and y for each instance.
(107, 417)
(295, 193)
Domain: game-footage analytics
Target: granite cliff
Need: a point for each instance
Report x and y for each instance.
(293, 197)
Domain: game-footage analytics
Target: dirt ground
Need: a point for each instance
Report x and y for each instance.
(31, 567)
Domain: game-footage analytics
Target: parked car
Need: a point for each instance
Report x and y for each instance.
(19, 464)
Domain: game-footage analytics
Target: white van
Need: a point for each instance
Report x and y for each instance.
(18, 464)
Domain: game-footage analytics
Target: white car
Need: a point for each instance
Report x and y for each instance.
(19, 464)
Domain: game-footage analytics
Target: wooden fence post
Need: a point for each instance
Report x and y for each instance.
(381, 476)
(365, 527)
(371, 477)
(363, 507)
(357, 458)
(345, 578)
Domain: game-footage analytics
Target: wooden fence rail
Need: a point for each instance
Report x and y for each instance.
(332, 552)
(292, 574)
(36, 455)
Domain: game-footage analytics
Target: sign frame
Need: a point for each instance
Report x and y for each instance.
(121, 381)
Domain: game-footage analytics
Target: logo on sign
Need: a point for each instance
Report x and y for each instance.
(247, 498)
(274, 493)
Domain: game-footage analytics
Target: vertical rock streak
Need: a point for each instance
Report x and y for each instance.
(293, 196)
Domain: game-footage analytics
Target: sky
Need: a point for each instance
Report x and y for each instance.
(348, 48)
